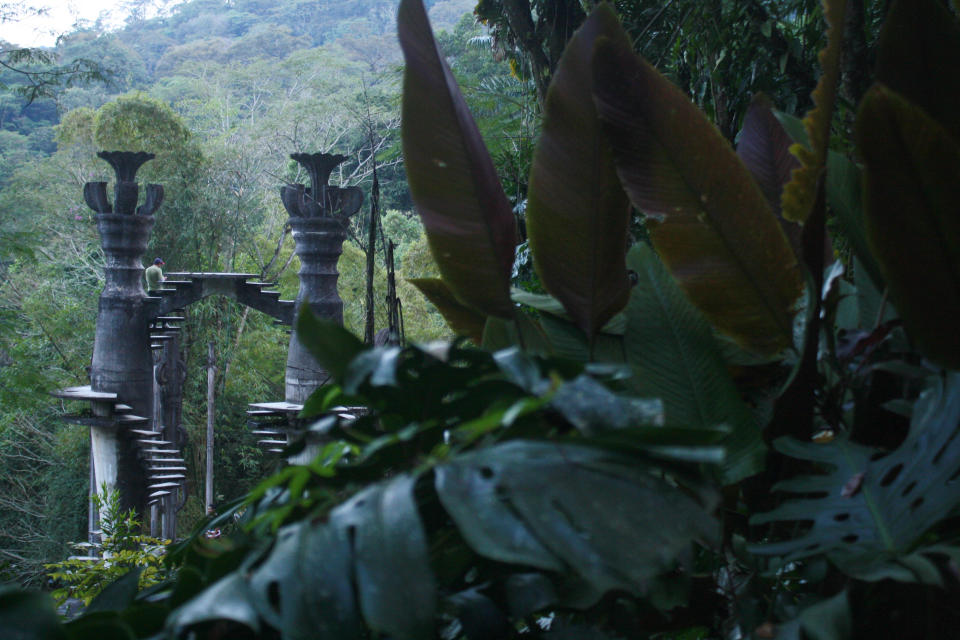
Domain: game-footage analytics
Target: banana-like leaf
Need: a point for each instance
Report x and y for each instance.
(469, 222)
(577, 212)
(764, 147)
(675, 358)
(918, 56)
(800, 194)
(911, 194)
(575, 510)
(875, 511)
(462, 319)
(707, 217)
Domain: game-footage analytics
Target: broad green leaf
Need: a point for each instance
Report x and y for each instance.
(392, 571)
(675, 358)
(577, 212)
(523, 331)
(707, 217)
(590, 514)
(918, 56)
(332, 345)
(829, 619)
(227, 599)
(568, 341)
(119, 594)
(874, 511)
(800, 194)
(462, 319)
(548, 304)
(304, 589)
(911, 194)
(28, 615)
(469, 222)
(591, 407)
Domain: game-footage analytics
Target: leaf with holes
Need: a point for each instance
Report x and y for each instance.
(595, 516)
(874, 511)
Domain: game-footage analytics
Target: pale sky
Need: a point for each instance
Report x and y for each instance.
(61, 16)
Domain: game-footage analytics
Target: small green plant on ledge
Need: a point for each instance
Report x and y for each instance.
(124, 551)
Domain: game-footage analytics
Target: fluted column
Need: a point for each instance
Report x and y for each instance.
(318, 218)
(122, 361)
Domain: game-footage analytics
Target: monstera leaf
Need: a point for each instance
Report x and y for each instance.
(874, 511)
(594, 519)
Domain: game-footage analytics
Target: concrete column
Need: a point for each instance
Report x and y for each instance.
(122, 360)
(318, 217)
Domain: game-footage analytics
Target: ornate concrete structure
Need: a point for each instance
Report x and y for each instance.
(135, 396)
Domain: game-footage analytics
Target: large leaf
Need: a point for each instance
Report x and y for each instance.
(799, 196)
(911, 194)
(462, 319)
(675, 358)
(577, 213)
(918, 56)
(572, 509)
(394, 582)
(468, 220)
(764, 147)
(28, 616)
(707, 218)
(875, 511)
(332, 345)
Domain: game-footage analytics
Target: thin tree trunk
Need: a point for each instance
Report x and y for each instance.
(211, 376)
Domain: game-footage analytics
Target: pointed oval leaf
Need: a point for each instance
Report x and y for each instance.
(463, 320)
(469, 222)
(577, 212)
(675, 358)
(911, 194)
(764, 147)
(918, 56)
(707, 218)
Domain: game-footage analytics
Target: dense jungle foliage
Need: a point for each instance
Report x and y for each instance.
(712, 387)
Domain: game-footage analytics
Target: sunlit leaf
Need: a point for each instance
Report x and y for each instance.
(577, 213)
(468, 219)
(707, 218)
(911, 195)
